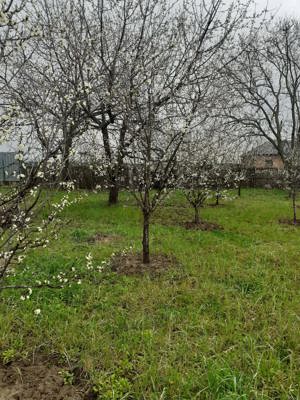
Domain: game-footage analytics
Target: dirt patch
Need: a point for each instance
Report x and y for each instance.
(287, 221)
(203, 226)
(132, 264)
(177, 219)
(103, 238)
(40, 380)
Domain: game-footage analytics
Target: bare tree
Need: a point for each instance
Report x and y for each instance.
(265, 84)
(196, 180)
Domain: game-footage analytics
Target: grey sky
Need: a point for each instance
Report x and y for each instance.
(284, 7)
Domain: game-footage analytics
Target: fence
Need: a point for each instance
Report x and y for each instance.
(266, 178)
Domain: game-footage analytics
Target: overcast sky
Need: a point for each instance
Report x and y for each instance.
(284, 7)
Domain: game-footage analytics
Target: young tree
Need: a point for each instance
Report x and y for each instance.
(198, 159)
(175, 73)
(238, 177)
(196, 184)
(220, 181)
(154, 165)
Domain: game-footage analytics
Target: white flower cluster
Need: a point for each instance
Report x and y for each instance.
(27, 296)
(90, 265)
(6, 255)
(69, 186)
(61, 278)
(89, 261)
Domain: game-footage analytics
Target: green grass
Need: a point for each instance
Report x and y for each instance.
(225, 325)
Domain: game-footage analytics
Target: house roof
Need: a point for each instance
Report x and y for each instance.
(267, 149)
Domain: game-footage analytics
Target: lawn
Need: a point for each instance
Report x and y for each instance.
(222, 324)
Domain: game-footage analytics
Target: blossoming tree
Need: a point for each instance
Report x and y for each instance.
(21, 227)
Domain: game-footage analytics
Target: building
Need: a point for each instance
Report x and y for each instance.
(264, 157)
(9, 167)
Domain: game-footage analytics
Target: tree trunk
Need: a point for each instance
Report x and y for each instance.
(197, 216)
(65, 173)
(146, 251)
(217, 200)
(117, 171)
(113, 194)
(294, 206)
(239, 191)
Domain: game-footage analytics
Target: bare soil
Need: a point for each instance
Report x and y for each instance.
(176, 219)
(203, 226)
(104, 238)
(39, 380)
(132, 264)
(288, 221)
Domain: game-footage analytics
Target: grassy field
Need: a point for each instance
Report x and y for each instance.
(223, 325)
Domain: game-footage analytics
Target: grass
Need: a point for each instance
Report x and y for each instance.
(224, 326)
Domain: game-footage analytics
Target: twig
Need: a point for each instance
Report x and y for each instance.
(31, 287)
